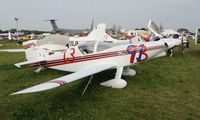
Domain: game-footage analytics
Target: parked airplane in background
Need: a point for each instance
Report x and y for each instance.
(148, 34)
(69, 31)
(144, 34)
(12, 36)
(160, 31)
(57, 43)
(91, 57)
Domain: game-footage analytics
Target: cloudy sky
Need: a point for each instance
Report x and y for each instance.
(129, 14)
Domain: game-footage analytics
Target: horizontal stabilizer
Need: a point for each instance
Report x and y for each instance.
(27, 63)
(51, 20)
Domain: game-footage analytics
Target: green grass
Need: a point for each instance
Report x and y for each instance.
(164, 88)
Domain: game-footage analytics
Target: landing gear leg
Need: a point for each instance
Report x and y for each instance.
(117, 82)
(39, 69)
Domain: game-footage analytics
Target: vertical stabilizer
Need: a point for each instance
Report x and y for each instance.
(32, 51)
(100, 32)
(92, 25)
(53, 23)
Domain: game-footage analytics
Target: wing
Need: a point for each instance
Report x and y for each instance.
(13, 50)
(68, 78)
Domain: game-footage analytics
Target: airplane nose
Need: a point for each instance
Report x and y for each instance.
(171, 43)
(177, 41)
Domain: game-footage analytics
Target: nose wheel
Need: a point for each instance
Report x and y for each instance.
(169, 52)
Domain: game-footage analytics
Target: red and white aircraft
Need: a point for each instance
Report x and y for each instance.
(91, 57)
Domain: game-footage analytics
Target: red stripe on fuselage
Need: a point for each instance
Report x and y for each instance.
(84, 58)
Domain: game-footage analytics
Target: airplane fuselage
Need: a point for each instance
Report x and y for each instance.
(73, 59)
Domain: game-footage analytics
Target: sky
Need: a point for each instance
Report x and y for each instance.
(129, 14)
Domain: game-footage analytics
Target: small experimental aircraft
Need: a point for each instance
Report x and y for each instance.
(91, 57)
(144, 34)
(12, 36)
(161, 32)
(69, 31)
(49, 43)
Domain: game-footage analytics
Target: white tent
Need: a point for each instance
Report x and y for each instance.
(169, 32)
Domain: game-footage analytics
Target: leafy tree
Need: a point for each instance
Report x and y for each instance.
(181, 30)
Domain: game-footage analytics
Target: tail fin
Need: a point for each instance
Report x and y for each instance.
(100, 32)
(32, 51)
(53, 23)
(92, 25)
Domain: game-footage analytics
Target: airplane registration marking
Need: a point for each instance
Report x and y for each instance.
(71, 58)
(133, 49)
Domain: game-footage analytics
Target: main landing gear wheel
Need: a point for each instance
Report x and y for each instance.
(117, 82)
(128, 72)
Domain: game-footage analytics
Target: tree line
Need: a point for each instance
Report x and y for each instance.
(26, 32)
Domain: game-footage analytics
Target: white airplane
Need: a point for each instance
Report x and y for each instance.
(91, 57)
(99, 34)
(53, 43)
(160, 32)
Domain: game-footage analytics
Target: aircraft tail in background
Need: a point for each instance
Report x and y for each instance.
(92, 25)
(69, 31)
(53, 23)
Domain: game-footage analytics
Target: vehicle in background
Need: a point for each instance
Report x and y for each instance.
(197, 36)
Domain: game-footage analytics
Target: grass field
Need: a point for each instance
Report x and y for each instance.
(164, 88)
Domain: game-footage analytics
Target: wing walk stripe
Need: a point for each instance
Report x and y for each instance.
(61, 82)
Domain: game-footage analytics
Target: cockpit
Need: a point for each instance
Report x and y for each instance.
(94, 46)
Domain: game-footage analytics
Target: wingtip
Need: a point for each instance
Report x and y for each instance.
(17, 93)
(37, 88)
(12, 94)
(17, 65)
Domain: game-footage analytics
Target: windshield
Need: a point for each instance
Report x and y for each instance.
(104, 45)
(90, 47)
(87, 47)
